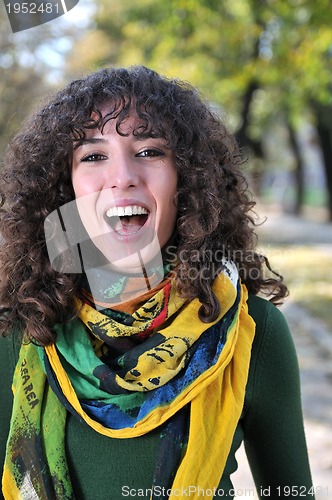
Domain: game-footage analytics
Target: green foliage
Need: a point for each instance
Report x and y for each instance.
(18, 89)
(283, 47)
(221, 47)
(19, 85)
(261, 61)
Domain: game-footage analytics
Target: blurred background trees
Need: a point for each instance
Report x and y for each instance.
(264, 64)
(31, 66)
(19, 84)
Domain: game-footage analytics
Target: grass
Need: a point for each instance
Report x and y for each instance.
(307, 271)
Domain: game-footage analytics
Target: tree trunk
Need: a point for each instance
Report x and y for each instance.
(253, 147)
(324, 131)
(299, 169)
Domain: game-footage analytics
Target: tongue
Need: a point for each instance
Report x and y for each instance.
(130, 224)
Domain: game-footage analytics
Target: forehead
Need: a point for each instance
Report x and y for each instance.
(124, 120)
(111, 125)
(130, 127)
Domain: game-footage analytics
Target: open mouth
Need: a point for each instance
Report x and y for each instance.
(127, 220)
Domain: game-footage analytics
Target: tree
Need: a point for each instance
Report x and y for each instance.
(18, 86)
(231, 51)
(28, 70)
(324, 131)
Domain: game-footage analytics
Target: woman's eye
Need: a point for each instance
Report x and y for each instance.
(150, 153)
(93, 157)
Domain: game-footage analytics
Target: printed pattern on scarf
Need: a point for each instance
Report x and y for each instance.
(175, 362)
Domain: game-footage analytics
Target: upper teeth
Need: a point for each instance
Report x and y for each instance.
(129, 210)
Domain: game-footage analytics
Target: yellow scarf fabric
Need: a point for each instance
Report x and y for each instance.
(162, 379)
(216, 396)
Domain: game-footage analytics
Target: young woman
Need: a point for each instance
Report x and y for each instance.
(139, 352)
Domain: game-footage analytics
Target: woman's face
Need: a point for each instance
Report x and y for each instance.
(125, 189)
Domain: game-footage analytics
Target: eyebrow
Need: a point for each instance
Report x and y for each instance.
(92, 140)
(101, 140)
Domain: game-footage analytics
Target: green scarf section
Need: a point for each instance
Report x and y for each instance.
(175, 360)
(38, 468)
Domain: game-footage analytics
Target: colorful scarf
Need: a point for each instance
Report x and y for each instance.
(125, 375)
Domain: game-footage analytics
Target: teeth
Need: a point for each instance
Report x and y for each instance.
(129, 210)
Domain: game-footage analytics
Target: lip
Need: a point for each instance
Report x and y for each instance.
(125, 202)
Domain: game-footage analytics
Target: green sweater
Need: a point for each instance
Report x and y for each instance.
(271, 427)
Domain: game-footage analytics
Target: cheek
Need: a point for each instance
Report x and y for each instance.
(168, 209)
(84, 184)
(77, 184)
(173, 188)
(170, 183)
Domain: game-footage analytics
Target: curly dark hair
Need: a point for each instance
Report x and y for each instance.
(214, 205)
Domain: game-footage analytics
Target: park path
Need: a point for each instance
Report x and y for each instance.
(313, 342)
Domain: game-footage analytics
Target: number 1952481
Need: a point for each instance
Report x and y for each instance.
(32, 8)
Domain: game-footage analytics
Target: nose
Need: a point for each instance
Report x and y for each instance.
(122, 173)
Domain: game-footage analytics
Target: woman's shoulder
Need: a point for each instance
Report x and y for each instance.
(273, 350)
(9, 351)
(273, 342)
(270, 321)
(263, 311)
